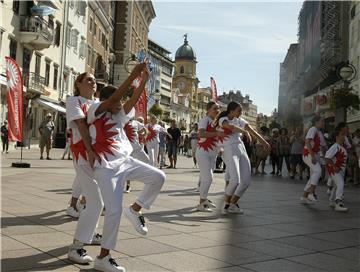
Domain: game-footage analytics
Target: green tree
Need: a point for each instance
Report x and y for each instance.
(345, 99)
(156, 110)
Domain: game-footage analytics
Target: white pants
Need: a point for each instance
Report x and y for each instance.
(67, 149)
(111, 183)
(315, 171)
(140, 155)
(194, 146)
(162, 150)
(338, 190)
(153, 151)
(76, 188)
(206, 162)
(238, 165)
(89, 217)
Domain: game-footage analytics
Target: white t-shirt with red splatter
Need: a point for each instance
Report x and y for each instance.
(230, 137)
(77, 108)
(316, 141)
(108, 137)
(207, 144)
(132, 129)
(337, 153)
(153, 135)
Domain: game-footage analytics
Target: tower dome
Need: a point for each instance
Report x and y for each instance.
(185, 52)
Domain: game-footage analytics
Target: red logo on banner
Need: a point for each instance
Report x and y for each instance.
(141, 105)
(14, 100)
(213, 89)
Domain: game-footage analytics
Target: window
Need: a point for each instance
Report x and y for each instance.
(16, 6)
(47, 73)
(57, 34)
(99, 36)
(13, 47)
(71, 3)
(89, 55)
(95, 26)
(68, 34)
(103, 41)
(353, 12)
(55, 77)
(74, 39)
(166, 83)
(166, 70)
(37, 64)
(181, 69)
(82, 49)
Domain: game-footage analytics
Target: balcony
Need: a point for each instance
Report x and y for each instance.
(36, 83)
(36, 32)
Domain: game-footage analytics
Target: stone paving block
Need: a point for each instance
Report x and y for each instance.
(230, 269)
(345, 237)
(281, 265)
(327, 262)
(45, 239)
(350, 253)
(272, 248)
(232, 255)
(184, 261)
(25, 259)
(8, 243)
(154, 230)
(138, 265)
(141, 246)
(227, 236)
(264, 232)
(187, 241)
(309, 243)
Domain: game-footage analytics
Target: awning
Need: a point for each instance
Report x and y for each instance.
(42, 10)
(50, 105)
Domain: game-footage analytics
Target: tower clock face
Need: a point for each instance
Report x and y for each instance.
(181, 85)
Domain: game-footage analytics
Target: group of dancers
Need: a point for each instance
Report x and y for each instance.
(107, 144)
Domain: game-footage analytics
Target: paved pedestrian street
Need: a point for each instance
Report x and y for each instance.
(277, 233)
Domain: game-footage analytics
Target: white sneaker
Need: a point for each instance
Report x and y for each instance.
(312, 198)
(210, 203)
(339, 207)
(306, 201)
(224, 210)
(332, 204)
(137, 220)
(203, 207)
(234, 208)
(79, 255)
(96, 239)
(107, 264)
(70, 211)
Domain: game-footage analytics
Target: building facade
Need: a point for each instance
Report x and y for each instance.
(160, 82)
(353, 116)
(204, 97)
(132, 21)
(185, 82)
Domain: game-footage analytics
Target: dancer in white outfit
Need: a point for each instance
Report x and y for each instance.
(336, 158)
(152, 139)
(107, 120)
(314, 140)
(83, 158)
(236, 158)
(206, 154)
(134, 130)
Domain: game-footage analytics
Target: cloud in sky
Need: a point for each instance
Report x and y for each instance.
(239, 43)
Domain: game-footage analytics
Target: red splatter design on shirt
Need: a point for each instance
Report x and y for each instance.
(84, 108)
(152, 134)
(227, 132)
(104, 137)
(209, 143)
(130, 132)
(316, 147)
(340, 162)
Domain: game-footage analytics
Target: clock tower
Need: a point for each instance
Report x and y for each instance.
(185, 79)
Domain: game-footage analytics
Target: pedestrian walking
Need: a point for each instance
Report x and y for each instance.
(314, 140)
(5, 137)
(67, 150)
(236, 159)
(194, 135)
(46, 129)
(107, 120)
(174, 143)
(206, 154)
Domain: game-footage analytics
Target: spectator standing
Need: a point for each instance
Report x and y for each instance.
(162, 147)
(194, 135)
(297, 145)
(68, 143)
(5, 137)
(356, 143)
(261, 153)
(174, 143)
(273, 154)
(46, 129)
(186, 145)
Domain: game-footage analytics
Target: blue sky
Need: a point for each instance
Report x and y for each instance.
(240, 44)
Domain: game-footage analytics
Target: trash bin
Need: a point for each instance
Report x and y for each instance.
(59, 141)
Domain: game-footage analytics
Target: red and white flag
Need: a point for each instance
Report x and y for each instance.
(14, 100)
(213, 89)
(141, 105)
